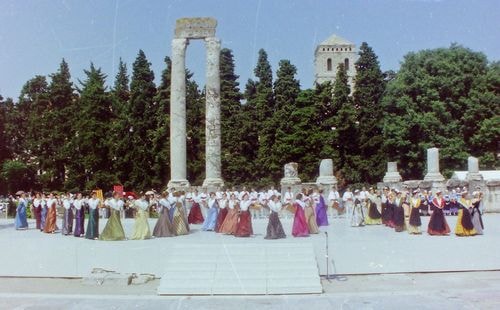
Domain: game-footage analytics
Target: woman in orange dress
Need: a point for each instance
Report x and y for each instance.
(50, 222)
(228, 227)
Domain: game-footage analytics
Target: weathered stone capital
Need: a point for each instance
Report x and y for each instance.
(179, 46)
(212, 43)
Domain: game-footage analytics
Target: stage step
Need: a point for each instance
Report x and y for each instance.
(240, 269)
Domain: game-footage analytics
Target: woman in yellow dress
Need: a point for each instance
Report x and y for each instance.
(464, 227)
(141, 225)
(415, 221)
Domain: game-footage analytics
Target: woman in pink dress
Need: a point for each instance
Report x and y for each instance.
(299, 228)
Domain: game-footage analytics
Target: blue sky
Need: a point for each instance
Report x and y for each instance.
(36, 34)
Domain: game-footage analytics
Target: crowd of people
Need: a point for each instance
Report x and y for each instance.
(231, 212)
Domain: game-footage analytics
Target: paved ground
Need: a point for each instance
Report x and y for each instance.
(464, 290)
(352, 250)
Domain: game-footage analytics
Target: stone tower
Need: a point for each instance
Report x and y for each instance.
(329, 54)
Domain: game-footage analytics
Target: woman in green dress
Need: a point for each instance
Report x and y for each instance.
(93, 223)
(113, 231)
(141, 225)
(179, 222)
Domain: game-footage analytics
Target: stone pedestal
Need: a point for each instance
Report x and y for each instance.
(291, 175)
(326, 176)
(212, 122)
(392, 175)
(473, 170)
(178, 115)
(433, 173)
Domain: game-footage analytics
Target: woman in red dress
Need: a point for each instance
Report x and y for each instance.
(300, 228)
(437, 224)
(244, 226)
(222, 212)
(195, 216)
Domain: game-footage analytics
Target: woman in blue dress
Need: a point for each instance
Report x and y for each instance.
(21, 222)
(211, 219)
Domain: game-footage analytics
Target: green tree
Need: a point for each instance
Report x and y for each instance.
(17, 175)
(91, 162)
(142, 113)
(368, 90)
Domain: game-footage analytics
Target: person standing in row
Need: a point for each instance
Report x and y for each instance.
(21, 222)
(399, 212)
(78, 203)
(321, 216)
(357, 217)
(437, 223)
(299, 227)
(373, 216)
(67, 226)
(50, 221)
(141, 226)
(477, 220)
(213, 210)
(228, 227)
(37, 210)
(415, 221)
(43, 215)
(464, 227)
(309, 212)
(244, 226)
(195, 216)
(93, 224)
(179, 223)
(163, 227)
(221, 217)
(113, 231)
(274, 227)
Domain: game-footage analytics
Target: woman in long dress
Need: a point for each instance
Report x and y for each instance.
(310, 215)
(321, 216)
(180, 224)
(415, 221)
(228, 227)
(299, 227)
(222, 212)
(141, 226)
(477, 220)
(67, 226)
(43, 214)
(357, 217)
(244, 226)
(21, 222)
(213, 210)
(113, 231)
(50, 221)
(274, 227)
(373, 216)
(399, 212)
(195, 216)
(79, 216)
(93, 224)
(437, 224)
(163, 227)
(37, 209)
(464, 227)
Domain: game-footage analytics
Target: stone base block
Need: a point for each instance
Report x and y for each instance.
(290, 181)
(392, 177)
(326, 180)
(434, 176)
(213, 183)
(178, 184)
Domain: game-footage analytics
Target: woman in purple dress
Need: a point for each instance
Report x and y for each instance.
(300, 228)
(321, 217)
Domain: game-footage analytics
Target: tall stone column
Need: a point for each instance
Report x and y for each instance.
(433, 173)
(213, 177)
(178, 115)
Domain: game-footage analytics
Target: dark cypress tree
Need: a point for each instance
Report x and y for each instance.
(345, 128)
(142, 112)
(368, 90)
(120, 125)
(161, 135)
(90, 146)
(233, 158)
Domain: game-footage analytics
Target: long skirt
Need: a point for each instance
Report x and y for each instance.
(141, 226)
(21, 221)
(220, 219)
(399, 219)
(477, 221)
(43, 218)
(163, 227)
(464, 227)
(321, 217)
(388, 215)
(38, 216)
(180, 224)
(228, 227)
(373, 217)
(437, 224)
(415, 222)
(93, 224)
(80, 222)
(50, 221)
(113, 231)
(211, 219)
(195, 215)
(357, 216)
(274, 227)
(300, 228)
(244, 227)
(311, 220)
(67, 226)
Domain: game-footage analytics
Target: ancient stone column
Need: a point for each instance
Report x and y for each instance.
(473, 170)
(392, 174)
(178, 115)
(213, 175)
(433, 173)
(326, 176)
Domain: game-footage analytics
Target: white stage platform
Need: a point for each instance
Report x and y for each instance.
(353, 250)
